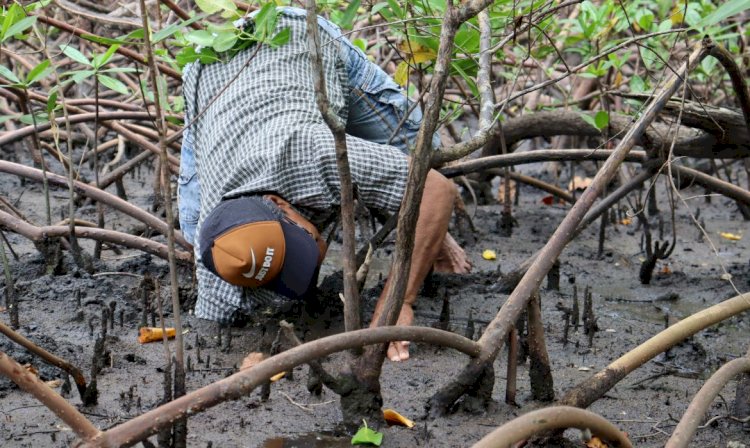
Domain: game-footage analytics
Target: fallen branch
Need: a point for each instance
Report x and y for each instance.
(542, 155)
(39, 234)
(97, 195)
(54, 402)
(685, 430)
(557, 417)
(593, 388)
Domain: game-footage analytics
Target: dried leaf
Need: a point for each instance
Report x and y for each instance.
(394, 418)
(153, 334)
(626, 221)
(489, 254)
(579, 183)
(666, 270)
(730, 236)
(417, 53)
(596, 442)
(277, 377)
(251, 360)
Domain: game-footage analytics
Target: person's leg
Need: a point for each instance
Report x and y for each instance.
(432, 225)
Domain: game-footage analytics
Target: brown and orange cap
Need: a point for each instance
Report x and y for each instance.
(247, 243)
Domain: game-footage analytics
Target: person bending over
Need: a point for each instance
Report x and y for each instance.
(264, 171)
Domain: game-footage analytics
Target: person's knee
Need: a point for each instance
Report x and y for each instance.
(442, 187)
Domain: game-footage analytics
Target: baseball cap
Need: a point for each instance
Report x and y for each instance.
(248, 243)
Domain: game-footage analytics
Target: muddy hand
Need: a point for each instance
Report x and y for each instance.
(452, 258)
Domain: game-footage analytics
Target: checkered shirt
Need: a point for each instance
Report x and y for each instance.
(264, 133)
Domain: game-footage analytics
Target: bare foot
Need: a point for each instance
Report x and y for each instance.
(452, 259)
(399, 350)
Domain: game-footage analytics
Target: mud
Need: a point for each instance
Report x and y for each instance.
(63, 313)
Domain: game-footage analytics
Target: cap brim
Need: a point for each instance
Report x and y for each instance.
(300, 263)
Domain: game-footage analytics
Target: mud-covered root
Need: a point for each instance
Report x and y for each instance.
(558, 417)
(540, 373)
(685, 430)
(361, 398)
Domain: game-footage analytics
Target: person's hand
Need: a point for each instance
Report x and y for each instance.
(452, 259)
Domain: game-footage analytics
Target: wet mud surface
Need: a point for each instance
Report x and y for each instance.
(63, 313)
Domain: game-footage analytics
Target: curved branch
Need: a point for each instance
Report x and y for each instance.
(35, 234)
(54, 402)
(735, 75)
(95, 194)
(591, 389)
(11, 137)
(712, 183)
(241, 383)
(685, 430)
(536, 183)
(556, 417)
(541, 155)
(48, 357)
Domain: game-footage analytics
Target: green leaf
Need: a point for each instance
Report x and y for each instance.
(589, 119)
(113, 84)
(173, 28)
(6, 73)
(280, 38)
(224, 41)
(396, 8)
(367, 436)
(100, 59)
(637, 85)
(75, 55)
(15, 13)
(38, 118)
(5, 118)
(202, 38)
(347, 19)
(118, 70)
(42, 70)
(377, 7)
(212, 6)
(52, 101)
(360, 43)
(103, 40)
(19, 27)
(78, 75)
(728, 9)
(265, 20)
(601, 119)
(174, 120)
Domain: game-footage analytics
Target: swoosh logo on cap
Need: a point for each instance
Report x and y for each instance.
(251, 272)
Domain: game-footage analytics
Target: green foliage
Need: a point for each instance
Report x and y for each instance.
(599, 121)
(367, 436)
(96, 68)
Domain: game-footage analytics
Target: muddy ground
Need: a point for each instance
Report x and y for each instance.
(62, 313)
